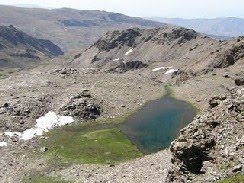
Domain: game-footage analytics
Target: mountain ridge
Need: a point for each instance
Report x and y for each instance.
(177, 46)
(17, 48)
(224, 26)
(69, 28)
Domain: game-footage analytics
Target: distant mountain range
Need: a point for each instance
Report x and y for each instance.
(17, 49)
(69, 28)
(220, 27)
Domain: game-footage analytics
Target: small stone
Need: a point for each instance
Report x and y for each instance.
(237, 168)
(43, 149)
(6, 105)
(226, 75)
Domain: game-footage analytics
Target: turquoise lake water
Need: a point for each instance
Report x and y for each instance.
(158, 123)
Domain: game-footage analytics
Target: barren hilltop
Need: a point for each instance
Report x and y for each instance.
(69, 28)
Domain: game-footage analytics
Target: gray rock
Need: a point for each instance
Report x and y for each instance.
(237, 168)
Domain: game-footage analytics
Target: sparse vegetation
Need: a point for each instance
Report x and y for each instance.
(44, 179)
(3, 76)
(168, 90)
(235, 179)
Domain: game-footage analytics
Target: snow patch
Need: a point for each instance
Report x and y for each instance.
(115, 60)
(158, 69)
(3, 144)
(43, 124)
(170, 71)
(89, 69)
(12, 134)
(128, 52)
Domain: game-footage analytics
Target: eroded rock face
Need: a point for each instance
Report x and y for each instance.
(183, 34)
(181, 76)
(117, 38)
(18, 115)
(213, 140)
(239, 80)
(81, 107)
(126, 66)
(65, 72)
(230, 56)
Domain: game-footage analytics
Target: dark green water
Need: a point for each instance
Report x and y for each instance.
(158, 123)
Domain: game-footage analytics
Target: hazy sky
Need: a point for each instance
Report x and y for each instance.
(153, 8)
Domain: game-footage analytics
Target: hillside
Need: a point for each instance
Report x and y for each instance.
(18, 49)
(221, 27)
(68, 28)
(174, 47)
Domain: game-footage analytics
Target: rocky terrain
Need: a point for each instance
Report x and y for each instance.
(118, 74)
(69, 28)
(168, 46)
(17, 49)
(211, 147)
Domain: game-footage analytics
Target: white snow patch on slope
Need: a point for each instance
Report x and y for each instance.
(117, 59)
(170, 71)
(3, 144)
(43, 124)
(158, 69)
(12, 134)
(128, 52)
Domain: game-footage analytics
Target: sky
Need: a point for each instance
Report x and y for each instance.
(149, 8)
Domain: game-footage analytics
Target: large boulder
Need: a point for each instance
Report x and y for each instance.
(82, 107)
(127, 66)
(212, 141)
(239, 81)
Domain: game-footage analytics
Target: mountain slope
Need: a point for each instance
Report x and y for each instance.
(18, 48)
(69, 28)
(169, 46)
(224, 27)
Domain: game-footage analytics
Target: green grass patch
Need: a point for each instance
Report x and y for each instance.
(3, 76)
(235, 179)
(168, 90)
(102, 146)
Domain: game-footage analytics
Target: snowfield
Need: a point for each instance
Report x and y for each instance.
(3, 144)
(170, 71)
(115, 60)
(158, 69)
(43, 124)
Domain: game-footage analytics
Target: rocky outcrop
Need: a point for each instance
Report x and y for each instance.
(116, 38)
(17, 115)
(230, 56)
(212, 141)
(181, 76)
(65, 72)
(127, 66)
(81, 107)
(239, 80)
(182, 34)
